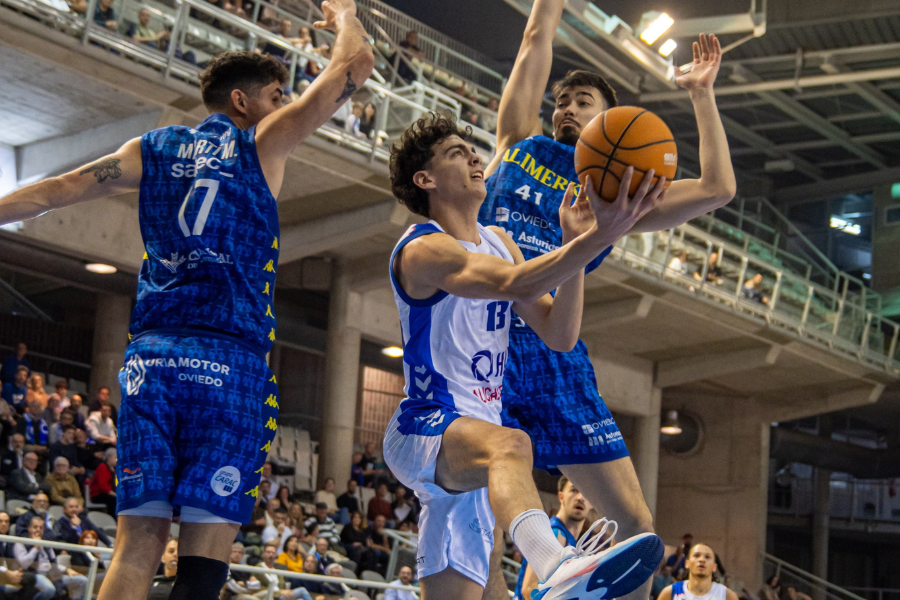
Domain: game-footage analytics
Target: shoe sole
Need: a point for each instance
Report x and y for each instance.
(625, 568)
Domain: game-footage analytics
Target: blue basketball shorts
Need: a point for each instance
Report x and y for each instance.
(196, 423)
(553, 397)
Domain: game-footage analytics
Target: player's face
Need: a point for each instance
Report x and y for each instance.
(575, 107)
(265, 103)
(455, 170)
(701, 561)
(576, 505)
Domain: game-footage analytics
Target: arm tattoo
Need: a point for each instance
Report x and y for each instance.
(349, 89)
(108, 169)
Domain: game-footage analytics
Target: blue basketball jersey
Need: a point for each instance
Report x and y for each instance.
(559, 529)
(524, 194)
(210, 229)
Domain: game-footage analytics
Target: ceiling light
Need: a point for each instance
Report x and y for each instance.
(845, 226)
(100, 268)
(657, 27)
(670, 425)
(392, 351)
(668, 47)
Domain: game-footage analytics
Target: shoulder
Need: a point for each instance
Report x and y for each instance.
(510, 244)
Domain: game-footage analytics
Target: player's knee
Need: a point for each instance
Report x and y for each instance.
(512, 444)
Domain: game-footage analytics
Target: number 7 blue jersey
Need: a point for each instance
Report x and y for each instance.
(210, 229)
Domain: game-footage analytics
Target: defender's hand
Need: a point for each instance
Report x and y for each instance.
(707, 59)
(334, 11)
(575, 218)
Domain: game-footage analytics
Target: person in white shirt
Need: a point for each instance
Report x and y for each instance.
(40, 561)
(101, 427)
(405, 578)
(278, 531)
(678, 265)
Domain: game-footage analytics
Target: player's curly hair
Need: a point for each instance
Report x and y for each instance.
(580, 78)
(245, 71)
(414, 152)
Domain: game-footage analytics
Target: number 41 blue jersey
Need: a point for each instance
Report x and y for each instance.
(210, 229)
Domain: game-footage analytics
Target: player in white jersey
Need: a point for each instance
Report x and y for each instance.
(701, 564)
(455, 283)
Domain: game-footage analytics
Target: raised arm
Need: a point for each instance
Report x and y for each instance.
(520, 105)
(351, 64)
(113, 174)
(690, 198)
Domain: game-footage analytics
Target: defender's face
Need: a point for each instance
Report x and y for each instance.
(701, 561)
(577, 506)
(456, 169)
(575, 108)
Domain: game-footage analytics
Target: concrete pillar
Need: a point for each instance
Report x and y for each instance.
(645, 451)
(110, 341)
(820, 522)
(341, 379)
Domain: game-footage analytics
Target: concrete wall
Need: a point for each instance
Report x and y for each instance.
(718, 492)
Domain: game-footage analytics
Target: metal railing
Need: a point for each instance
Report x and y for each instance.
(803, 581)
(851, 499)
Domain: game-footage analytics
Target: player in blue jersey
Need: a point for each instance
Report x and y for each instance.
(568, 524)
(550, 395)
(455, 283)
(701, 565)
(199, 403)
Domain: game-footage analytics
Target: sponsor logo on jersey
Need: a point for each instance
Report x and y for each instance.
(204, 154)
(504, 215)
(207, 255)
(131, 474)
(501, 215)
(533, 242)
(226, 481)
(178, 363)
(173, 263)
(135, 372)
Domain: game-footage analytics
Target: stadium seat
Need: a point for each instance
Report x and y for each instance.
(174, 530)
(17, 507)
(372, 576)
(348, 573)
(357, 595)
(103, 521)
(87, 498)
(56, 512)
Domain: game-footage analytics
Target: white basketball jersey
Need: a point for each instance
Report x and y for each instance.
(680, 592)
(454, 349)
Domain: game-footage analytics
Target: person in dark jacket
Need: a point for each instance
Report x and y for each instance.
(73, 522)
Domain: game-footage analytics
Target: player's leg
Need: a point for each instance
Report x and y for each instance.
(203, 553)
(496, 589)
(613, 488)
(449, 584)
(140, 542)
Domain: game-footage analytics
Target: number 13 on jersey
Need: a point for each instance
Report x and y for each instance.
(496, 315)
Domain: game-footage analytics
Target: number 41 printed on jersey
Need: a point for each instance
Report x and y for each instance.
(525, 193)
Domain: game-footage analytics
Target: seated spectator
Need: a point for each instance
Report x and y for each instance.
(61, 395)
(239, 585)
(40, 560)
(282, 589)
(284, 496)
(66, 418)
(74, 522)
(6, 550)
(162, 585)
(16, 584)
(771, 590)
(62, 485)
(39, 508)
(369, 464)
(105, 16)
(11, 363)
(88, 454)
(272, 487)
(8, 422)
(348, 500)
(356, 470)
(35, 429)
(80, 411)
(51, 414)
(356, 542)
(320, 552)
(102, 400)
(101, 427)
(284, 32)
(378, 544)
(278, 531)
(15, 391)
(661, 580)
(351, 125)
(403, 507)
(26, 483)
(404, 577)
(488, 121)
(367, 120)
(103, 490)
(271, 506)
(380, 505)
(678, 264)
(292, 555)
(753, 289)
(13, 456)
(311, 535)
(337, 588)
(713, 271)
(296, 519)
(143, 34)
(89, 537)
(326, 524)
(326, 495)
(36, 391)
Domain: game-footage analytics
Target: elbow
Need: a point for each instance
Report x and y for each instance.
(563, 343)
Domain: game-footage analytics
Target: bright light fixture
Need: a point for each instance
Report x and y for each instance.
(668, 47)
(670, 425)
(392, 351)
(845, 226)
(657, 27)
(100, 268)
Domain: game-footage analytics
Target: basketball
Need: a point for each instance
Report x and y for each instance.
(623, 136)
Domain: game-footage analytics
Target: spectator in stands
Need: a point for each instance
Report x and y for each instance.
(380, 505)
(8, 422)
(103, 490)
(36, 391)
(105, 16)
(142, 33)
(103, 400)
(771, 590)
(296, 519)
(291, 555)
(5, 526)
(101, 427)
(40, 561)
(51, 415)
(753, 289)
(488, 121)
(66, 419)
(284, 496)
(278, 531)
(355, 541)
(367, 120)
(162, 585)
(272, 489)
(378, 545)
(284, 32)
(713, 271)
(239, 585)
(80, 410)
(403, 507)
(74, 522)
(268, 561)
(88, 455)
(16, 584)
(326, 524)
(369, 464)
(356, 469)
(411, 44)
(320, 551)
(26, 482)
(38, 509)
(271, 506)
(351, 125)
(61, 395)
(310, 535)
(12, 363)
(62, 484)
(16, 390)
(12, 457)
(326, 495)
(404, 577)
(678, 264)
(348, 500)
(35, 430)
(662, 579)
(89, 537)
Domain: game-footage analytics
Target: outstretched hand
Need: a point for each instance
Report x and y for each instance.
(333, 10)
(575, 218)
(615, 219)
(705, 67)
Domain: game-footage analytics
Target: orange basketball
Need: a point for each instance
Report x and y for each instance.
(623, 136)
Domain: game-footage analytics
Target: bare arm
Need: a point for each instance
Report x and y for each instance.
(520, 105)
(351, 64)
(690, 198)
(666, 594)
(113, 174)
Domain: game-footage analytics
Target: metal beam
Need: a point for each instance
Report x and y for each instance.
(604, 314)
(831, 188)
(884, 102)
(329, 233)
(787, 405)
(872, 138)
(697, 368)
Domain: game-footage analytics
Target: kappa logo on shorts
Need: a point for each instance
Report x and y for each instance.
(135, 372)
(226, 481)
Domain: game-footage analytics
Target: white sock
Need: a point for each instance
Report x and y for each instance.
(533, 535)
